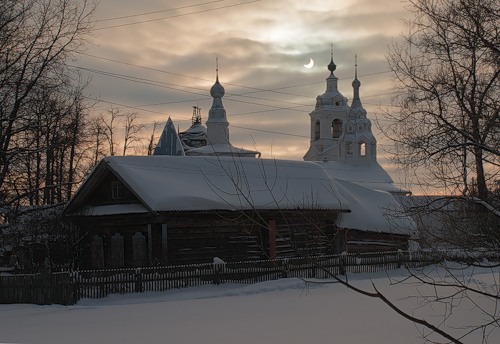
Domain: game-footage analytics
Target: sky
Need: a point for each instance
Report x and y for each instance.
(158, 59)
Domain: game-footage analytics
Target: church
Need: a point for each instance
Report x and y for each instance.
(341, 136)
(199, 197)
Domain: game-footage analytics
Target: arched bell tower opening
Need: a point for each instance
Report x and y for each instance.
(317, 130)
(336, 128)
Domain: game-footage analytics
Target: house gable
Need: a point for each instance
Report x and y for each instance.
(103, 188)
(111, 190)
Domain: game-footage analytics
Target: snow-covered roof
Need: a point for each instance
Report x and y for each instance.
(373, 210)
(222, 149)
(370, 175)
(197, 128)
(179, 183)
(169, 142)
(170, 183)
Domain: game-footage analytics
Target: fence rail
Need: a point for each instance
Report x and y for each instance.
(68, 287)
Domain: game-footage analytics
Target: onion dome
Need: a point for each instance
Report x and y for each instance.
(332, 66)
(356, 83)
(217, 90)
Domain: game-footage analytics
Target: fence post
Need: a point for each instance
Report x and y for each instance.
(284, 268)
(46, 290)
(400, 259)
(343, 262)
(74, 286)
(216, 277)
(219, 267)
(138, 280)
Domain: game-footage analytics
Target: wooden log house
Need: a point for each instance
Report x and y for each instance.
(147, 210)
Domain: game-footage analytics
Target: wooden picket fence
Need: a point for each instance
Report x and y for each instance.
(68, 287)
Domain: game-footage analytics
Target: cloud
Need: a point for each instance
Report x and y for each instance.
(261, 47)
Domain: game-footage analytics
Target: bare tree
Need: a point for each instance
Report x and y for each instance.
(109, 126)
(447, 73)
(51, 150)
(152, 139)
(131, 131)
(447, 132)
(36, 39)
(98, 136)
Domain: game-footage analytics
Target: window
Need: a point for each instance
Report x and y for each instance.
(362, 149)
(116, 190)
(317, 130)
(336, 128)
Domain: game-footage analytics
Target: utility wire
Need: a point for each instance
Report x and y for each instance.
(255, 89)
(182, 88)
(188, 119)
(245, 94)
(175, 16)
(177, 86)
(154, 12)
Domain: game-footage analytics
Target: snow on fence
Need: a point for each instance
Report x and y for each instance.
(68, 287)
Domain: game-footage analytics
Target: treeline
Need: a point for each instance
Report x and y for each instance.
(42, 106)
(50, 132)
(50, 137)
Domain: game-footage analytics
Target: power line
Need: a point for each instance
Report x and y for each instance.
(188, 119)
(142, 80)
(142, 67)
(177, 86)
(180, 89)
(269, 131)
(255, 89)
(155, 12)
(176, 16)
(187, 76)
(162, 84)
(158, 84)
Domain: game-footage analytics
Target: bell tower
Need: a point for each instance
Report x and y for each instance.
(217, 124)
(327, 120)
(218, 128)
(357, 142)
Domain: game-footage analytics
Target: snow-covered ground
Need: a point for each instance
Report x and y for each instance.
(283, 311)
